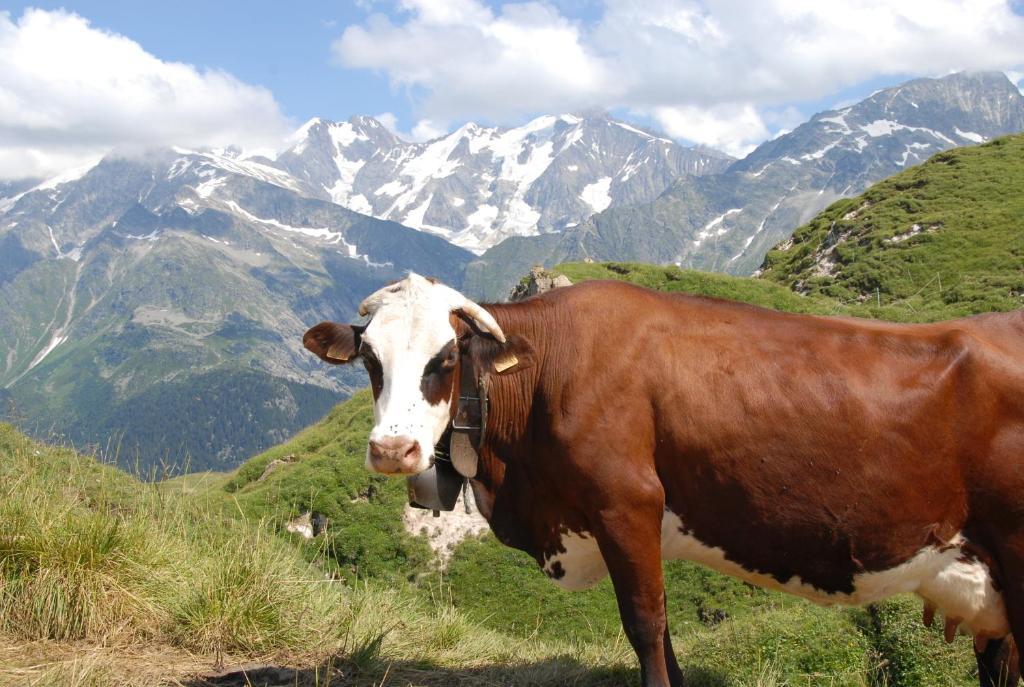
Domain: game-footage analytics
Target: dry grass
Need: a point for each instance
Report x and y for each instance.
(108, 581)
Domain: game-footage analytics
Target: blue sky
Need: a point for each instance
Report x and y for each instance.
(285, 47)
(706, 71)
(288, 50)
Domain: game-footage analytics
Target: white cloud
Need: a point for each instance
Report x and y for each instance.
(427, 129)
(732, 129)
(389, 121)
(466, 59)
(692, 61)
(70, 92)
(424, 130)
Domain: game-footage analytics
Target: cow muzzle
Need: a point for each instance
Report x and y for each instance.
(397, 455)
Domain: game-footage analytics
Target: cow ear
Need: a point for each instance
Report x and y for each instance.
(332, 342)
(515, 355)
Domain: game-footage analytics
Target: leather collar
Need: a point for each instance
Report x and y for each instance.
(456, 456)
(469, 424)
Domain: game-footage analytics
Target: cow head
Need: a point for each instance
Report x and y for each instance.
(411, 352)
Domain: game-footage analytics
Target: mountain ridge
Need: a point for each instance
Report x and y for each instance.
(161, 298)
(727, 222)
(479, 185)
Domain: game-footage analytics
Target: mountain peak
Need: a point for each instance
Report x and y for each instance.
(479, 184)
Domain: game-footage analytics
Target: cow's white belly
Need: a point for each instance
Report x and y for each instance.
(961, 590)
(580, 564)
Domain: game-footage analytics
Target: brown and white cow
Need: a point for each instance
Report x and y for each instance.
(841, 460)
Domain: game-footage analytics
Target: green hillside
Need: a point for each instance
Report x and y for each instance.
(106, 580)
(940, 240)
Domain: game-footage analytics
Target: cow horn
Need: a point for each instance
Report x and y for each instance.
(371, 303)
(483, 318)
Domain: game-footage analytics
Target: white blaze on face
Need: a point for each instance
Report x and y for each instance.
(410, 326)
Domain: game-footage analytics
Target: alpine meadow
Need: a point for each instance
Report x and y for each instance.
(323, 361)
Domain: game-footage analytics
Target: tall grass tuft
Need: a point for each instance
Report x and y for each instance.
(80, 560)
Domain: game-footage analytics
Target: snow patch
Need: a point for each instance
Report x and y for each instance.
(178, 167)
(343, 134)
(818, 154)
(574, 136)
(646, 135)
(312, 232)
(347, 171)
(520, 218)
(51, 183)
(392, 188)
(249, 168)
(483, 216)
(64, 177)
(414, 219)
(151, 236)
(970, 136)
(886, 127)
(359, 203)
(49, 229)
(299, 140)
(709, 228)
(596, 194)
(839, 120)
(57, 340)
(881, 127)
(207, 188)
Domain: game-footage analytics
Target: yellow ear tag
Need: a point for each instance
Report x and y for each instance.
(334, 353)
(506, 362)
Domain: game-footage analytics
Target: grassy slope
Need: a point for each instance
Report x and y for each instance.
(366, 535)
(968, 257)
(105, 580)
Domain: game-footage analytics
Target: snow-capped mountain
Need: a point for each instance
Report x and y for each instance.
(727, 222)
(480, 185)
(162, 298)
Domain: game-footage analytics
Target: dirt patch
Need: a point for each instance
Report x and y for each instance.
(276, 464)
(81, 663)
(444, 532)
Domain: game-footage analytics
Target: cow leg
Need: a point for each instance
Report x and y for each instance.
(675, 674)
(998, 663)
(630, 541)
(1011, 564)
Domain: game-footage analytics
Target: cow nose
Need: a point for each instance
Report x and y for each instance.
(393, 455)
